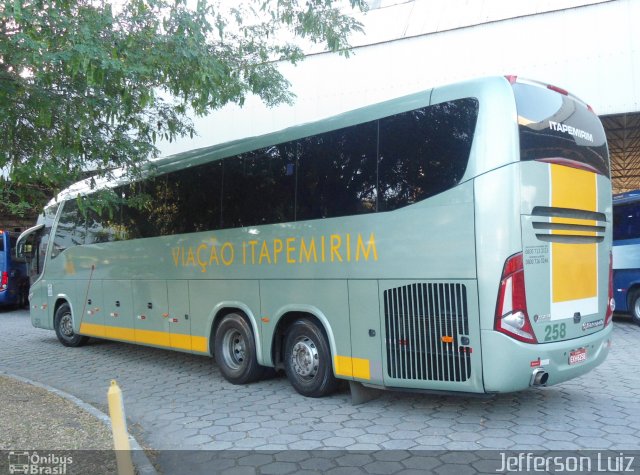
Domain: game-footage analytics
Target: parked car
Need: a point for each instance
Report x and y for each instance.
(14, 278)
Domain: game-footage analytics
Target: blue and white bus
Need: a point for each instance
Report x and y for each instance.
(626, 253)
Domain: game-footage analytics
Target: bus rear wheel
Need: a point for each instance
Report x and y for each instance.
(635, 307)
(235, 350)
(63, 325)
(307, 360)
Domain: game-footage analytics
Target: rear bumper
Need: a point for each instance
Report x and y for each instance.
(508, 364)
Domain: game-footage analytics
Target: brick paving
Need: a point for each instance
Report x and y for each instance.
(180, 401)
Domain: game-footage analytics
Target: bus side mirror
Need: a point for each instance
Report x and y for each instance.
(24, 250)
(23, 246)
(20, 251)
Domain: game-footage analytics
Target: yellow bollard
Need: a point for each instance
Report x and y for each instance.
(119, 428)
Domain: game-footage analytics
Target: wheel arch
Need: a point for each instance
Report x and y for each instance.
(286, 317)
(223, 309)
(61, 299)
(632, 292)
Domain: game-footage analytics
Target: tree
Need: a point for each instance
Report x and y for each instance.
(86, 85)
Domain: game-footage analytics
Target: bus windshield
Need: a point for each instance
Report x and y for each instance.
(554, 126)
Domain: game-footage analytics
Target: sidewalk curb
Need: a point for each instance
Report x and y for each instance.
(140, 460)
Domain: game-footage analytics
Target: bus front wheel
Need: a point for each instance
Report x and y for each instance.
(63, 324)
(307, 360)
(235, 350)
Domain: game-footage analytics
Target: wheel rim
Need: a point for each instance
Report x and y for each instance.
(66, 326)
(305, 359)
(636, 308)
(234, 349)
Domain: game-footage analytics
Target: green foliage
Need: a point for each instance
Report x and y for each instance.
(85, 85)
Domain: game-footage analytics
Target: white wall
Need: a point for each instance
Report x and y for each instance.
(593, 51)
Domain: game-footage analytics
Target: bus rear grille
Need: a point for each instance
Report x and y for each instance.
(424, 325)
(571, 226)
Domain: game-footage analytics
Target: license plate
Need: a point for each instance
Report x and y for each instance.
(578, 356)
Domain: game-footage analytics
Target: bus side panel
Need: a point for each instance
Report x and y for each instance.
(209, 297)
(366, 331)
(38, 305)
(626, 271)
(89, 311)
(496, 220)
(151, 309)
(118, 310)
(327, 300)
(625, 283)
(178, 322)
(58, 290)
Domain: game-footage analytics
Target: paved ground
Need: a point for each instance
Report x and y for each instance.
(180, 401)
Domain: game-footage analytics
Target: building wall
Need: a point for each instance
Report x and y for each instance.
(592, 50)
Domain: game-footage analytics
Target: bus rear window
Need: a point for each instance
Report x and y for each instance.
(555, 126)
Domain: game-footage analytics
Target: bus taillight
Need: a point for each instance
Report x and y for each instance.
(5, 281)
(511, 310)
(611, 303)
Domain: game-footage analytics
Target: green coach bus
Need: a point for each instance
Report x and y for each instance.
(457, 239)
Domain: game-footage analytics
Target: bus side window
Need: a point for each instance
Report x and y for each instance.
(337, 175)
(626, 221)
(190, 201)
(101, 225)
(259, 187)
(71, 229)
(40, 244)
(424, 152)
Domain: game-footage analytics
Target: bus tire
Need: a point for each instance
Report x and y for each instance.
(634, 307)
(63, 325)
(235, 350)
(307, 360)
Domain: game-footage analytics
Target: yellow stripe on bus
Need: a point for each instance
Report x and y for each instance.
(352, 367)
(574, 266)
(91, 329)
(151, 337)
(119, 333)
(199, 344)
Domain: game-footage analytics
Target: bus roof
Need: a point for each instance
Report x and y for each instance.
(627, 197)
